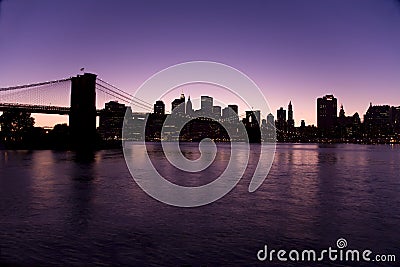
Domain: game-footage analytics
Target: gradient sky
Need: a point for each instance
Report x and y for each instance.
(294, 50)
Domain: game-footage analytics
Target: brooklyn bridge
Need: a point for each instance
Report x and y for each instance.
(79, 97)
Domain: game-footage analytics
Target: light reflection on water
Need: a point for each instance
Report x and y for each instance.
(57, 210)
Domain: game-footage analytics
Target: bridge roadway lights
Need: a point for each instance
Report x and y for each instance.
(82, 117)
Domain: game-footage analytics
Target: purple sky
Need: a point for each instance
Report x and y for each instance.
(294, 50)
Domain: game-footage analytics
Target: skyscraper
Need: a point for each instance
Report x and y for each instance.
(206, 105)
(342, 114)
(177, 102)
(216, 111)
(234, 108)
(159, 108)
(281, 120)
(326, 113)
(230, 113)
(111, 120)
(270, 131)
(395, 118)
(290, 121)
(347, 126)
(270, 120)
(189, 107)
(377, 120)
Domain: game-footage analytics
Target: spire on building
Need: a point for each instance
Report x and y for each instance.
(290, 121)
(189, 108)
(341, 112)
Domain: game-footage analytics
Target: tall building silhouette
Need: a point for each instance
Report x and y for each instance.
(226, 113)
(189, 107)
(230, 113)
(159, 108)
(347, 126)
(177, 103)
(290, 121)
(269, 132)
(326, 113)
(377, 120)
(342, 114)
(395, 118)
(206, 105)
(281, 120)
(234, 108)
(111, 121)
(270, 120)
(216, 111)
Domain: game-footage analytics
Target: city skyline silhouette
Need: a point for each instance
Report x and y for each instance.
(379, 124)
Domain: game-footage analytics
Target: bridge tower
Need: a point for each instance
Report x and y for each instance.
(82, 117)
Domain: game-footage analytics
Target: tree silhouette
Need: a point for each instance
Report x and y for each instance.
(16, 125)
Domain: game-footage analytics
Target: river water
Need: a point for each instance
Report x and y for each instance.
(56, 209)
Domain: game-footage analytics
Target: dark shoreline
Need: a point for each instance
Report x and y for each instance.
(118, 145)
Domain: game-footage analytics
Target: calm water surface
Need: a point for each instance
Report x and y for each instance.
(57, 210)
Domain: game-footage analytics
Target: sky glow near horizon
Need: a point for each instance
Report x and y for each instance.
(293, 50)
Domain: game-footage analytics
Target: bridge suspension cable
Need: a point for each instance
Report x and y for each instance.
(32, 85)
(104, 90)
(130, 95)
(49, 93)
(125, 98)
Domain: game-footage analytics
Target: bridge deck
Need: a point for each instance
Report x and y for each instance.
(37, 109)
